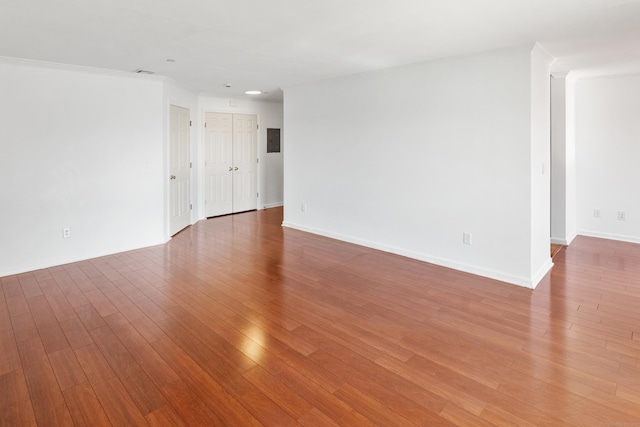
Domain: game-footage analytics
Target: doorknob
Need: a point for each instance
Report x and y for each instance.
(235, 169)
(172, 177)
(230, 168)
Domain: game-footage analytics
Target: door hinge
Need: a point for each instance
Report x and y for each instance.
(190, 165)
(190, 206)
(190, 124)
(257, 126)
(205, 124)
(257, 160)
(257, 194)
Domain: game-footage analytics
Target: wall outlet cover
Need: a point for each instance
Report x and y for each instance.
(466, 238)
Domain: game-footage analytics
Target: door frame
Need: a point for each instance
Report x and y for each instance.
(170, 229)
(201, 153)
(167, 163)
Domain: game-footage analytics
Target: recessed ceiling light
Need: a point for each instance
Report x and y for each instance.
(226, 84)
(253, 92)
(171, 60)
(141, 71)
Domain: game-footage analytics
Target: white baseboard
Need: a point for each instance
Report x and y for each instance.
(527, 282)
(610, 236)
(563, 241)
(273, 205)
(54, 262)
(542, 271)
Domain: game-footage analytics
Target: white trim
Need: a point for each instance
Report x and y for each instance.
(273, 205)
(542, 271)
(566, 242)
(56, 262)
(610, 236)
(80, 68)
(525, 282)
(543, 54)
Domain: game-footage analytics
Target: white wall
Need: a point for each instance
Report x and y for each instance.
(607, 153)
(270, 166)
(540, 162)
(563, 174)
(571, 212)
(409, 158)
(273, 182)
(88, 150)
(78, 149)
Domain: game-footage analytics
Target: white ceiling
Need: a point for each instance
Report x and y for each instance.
(270, 44)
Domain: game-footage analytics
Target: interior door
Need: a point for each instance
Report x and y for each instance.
(230, 163)
(245, 196)
(218, 164)
(179, 169)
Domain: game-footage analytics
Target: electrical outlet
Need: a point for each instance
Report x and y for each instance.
(596, 213)
(66, 233)
(622, 216)
(466, 238)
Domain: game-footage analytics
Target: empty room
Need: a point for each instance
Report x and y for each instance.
(244, 213)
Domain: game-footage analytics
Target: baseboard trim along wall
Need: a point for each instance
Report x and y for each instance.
(610, 236)
(273, 205)
(68, 260)
(561, 241)
(525, 282)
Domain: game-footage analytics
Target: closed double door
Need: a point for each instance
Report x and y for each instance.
(230, 163)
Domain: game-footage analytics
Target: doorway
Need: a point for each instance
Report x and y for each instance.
(179, 169)
(230, 163)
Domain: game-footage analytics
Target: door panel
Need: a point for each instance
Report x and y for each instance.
(179, 169)
(218, 164)
(244, 159)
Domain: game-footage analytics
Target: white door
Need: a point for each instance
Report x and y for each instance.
(245, 196)
(230, 163)
(218, 167)
(179, 169)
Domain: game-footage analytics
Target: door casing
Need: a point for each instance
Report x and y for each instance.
(179, 169)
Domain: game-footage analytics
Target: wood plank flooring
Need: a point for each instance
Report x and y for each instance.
(555, 249)
(239, 322)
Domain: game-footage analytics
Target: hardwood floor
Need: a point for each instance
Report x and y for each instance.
(239, 322)
(555, 249)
